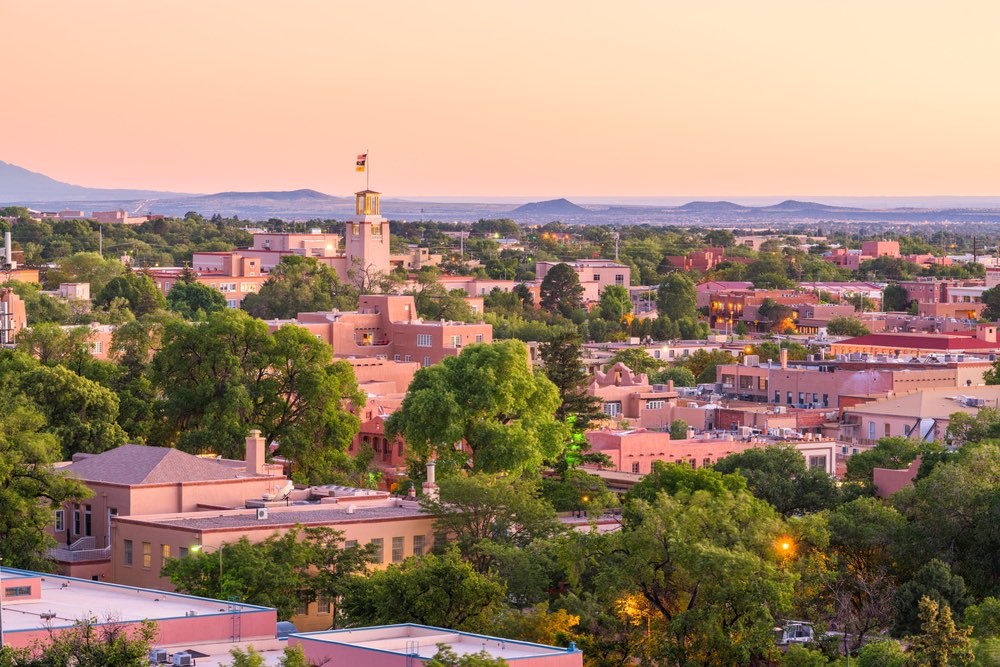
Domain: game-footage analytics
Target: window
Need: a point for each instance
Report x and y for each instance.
(762, 385)
(356, 229)
(871, 430)
(17, 591)
(906, 431)
(789, 397)
(619, 279)
(407, 357)
(418, 545)
(396, 357)
(597, 277)
(76, 519)
(87, 522)
(479, 338)
(323, 604)
(706, 463)
(656, 354)
(397, 549)
(888, 429)
(655, 405)
(635, 468)
(456, 341)
(423, 340)
(97, 348)
(378, 542)
(777, 397)
(376, 229)
(427, 362)
(127, 559)
(817, 462)
(60, 521)
(147, 554)
(802, 398)
(350, 543)
(826, 400)
(231, 303)
(613, 409)
(182, 552)
(248, 287)
(302, 609)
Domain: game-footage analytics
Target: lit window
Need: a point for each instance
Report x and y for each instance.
(165, 552)
(147, 554)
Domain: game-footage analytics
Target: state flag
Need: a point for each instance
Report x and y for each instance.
(360, 164)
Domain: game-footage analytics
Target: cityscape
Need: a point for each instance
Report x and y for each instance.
(543, 334)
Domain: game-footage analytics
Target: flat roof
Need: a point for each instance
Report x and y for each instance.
(65, 600)
(323, 514)
(409, 638)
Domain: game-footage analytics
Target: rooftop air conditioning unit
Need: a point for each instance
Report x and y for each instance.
(183, 660)
(261, 513)
(159, 656)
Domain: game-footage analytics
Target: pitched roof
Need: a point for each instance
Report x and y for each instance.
(139, 464)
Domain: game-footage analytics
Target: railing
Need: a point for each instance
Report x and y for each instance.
(89, 542)
(79, 555)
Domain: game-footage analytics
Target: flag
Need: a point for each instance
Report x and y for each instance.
(360, 164)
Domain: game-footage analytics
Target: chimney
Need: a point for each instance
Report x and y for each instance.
(255, 453)
(670, 385)
(784, 358)
(429, 487)
(7, 249)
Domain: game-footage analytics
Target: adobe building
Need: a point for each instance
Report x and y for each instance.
(13, 316)
(398, 528)
(594, 275)
(135, 480)
(634, 451)
(410, 645)
(37, 605)
(387, 326)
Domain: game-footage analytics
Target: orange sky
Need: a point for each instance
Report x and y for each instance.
(534, 97)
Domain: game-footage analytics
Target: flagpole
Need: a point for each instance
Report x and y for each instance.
(368, 169)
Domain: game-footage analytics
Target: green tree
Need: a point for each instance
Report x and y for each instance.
(51, 344)
(779, 475)
(677, 297)
(883, 653)
(446, 657)
(940, 643)
(702, 363)
(894, 452)
(706, 564)
(615, 303)
(293, 656)
(991, 298)
(673, 478)
(138, 291)
(894, 298)
(248, 658)
(88, 643)
(562, 361)
(934, 581)
(276, 572)
(84, 267)
(477, 510)
(678, 429)
(800, 656)
(561, 290)
(439, 590)
(490, 399)
(228, 375)
(846, 326)
(190, 299)
(636, 359)
(298, 285)
(681, 376)
(39, 308)
(983, 618)
(30, 488)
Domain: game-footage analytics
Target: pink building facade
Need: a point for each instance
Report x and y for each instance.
(594, 275)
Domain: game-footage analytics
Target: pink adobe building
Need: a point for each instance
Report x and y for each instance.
(410, 645)
(888, 481)
(698, 260)
(387, 326)
(982, 341)
(826, 384)
(236, 276)
(13, 316)
(38, 605)
(594, 275)
(136, 480)
(707, 289)
(398, 529)
(634, 451)
(628, 397)
(728, 308)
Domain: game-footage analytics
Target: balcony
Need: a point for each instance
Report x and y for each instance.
(82, 551)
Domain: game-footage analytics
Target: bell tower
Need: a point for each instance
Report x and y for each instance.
(366, 235)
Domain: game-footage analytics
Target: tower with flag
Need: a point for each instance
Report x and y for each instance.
(366, 233)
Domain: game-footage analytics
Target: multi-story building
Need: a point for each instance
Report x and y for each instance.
(725, 309)
(234, 274)
(594, 274)
(13, 316)
(387, 326)
(981, 341)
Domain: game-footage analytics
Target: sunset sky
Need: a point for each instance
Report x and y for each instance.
(529, 98)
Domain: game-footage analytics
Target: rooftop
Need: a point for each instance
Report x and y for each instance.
(422, 640)
(926, 341)
(142, 464)
(343, 511)
(933, 403)
(65, 600)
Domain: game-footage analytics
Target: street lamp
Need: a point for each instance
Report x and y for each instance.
(204, 548)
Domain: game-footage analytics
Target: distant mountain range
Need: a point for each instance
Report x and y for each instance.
(19, 186)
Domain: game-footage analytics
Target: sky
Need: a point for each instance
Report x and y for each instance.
(514, 98)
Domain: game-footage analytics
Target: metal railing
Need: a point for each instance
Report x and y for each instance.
(79, 555)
